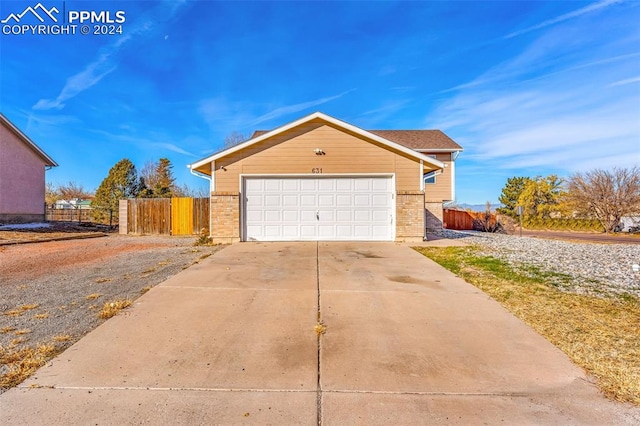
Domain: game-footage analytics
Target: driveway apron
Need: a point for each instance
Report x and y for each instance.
(231, 340)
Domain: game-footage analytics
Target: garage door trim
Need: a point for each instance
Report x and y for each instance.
(243, 179)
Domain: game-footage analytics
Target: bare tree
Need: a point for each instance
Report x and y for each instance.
(73, 190)
(187, 191)
(148, 174)
(234, 138)
(51, 194)
(607, 195)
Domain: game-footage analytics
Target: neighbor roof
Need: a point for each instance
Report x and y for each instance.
(419, 140)
(48, 161)
(262, 135)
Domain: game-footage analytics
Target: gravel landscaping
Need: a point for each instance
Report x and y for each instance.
(52, 292)
(598, 269)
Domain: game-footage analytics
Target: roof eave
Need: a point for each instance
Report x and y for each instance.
(440, 150)
(31, 144)
(328, 119)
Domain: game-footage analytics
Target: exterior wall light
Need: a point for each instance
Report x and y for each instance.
(319, 151)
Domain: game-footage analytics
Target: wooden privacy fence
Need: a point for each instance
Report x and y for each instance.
(457, 219)
(174, 216)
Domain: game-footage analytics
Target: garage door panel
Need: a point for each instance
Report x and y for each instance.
(380, 216)
(290, 185)
(272, 201)
(290, 200)
(271, 231)
(253, 185)
(272, 185)
(383, 185)
(362, 215)
(319, 208)
(255, 216)
(362, 185)
(290, 231)
(326, 216)
(291, 216)
(344, 216)
(326, 185)
(379, 230)
(309, 216)
(362, 200)
(308, 185)
(380, 200)
(308, 200)
(254, 200)
(308, 231)
(326, 200)
(343, 200)
(344, 185)
(326, 231)
(273, 216)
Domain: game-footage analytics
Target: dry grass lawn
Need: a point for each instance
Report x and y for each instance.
(20, 363)
(110, 309)
(601, 335)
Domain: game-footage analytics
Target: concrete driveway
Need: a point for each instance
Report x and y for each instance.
(231, 341)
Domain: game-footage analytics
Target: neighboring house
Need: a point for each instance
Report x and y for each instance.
(76, 203)
(319, 178)
(629, 224)
(22, 184)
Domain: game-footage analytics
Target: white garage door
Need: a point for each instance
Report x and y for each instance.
(318, 208)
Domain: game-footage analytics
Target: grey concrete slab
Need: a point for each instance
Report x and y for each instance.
(402, 330)
(231, 341)
(460, 409)
(198, 338)
(47, 407)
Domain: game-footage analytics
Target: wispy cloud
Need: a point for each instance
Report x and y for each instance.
(78, 83)
(576, 13)
(282, 111)
(170, 147)
(552, 106)
(625, 81)
(106, 62)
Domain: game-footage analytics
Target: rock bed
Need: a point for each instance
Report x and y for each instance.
(601, 269)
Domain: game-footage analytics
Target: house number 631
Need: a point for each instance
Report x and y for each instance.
(316, 170)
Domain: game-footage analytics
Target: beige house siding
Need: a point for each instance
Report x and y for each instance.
(292, 152)
(441, 190)
(346, 151)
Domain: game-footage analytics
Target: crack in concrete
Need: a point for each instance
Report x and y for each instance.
(319, 320)
(165, 389)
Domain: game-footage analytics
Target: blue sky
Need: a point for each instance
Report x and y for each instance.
(527, 88)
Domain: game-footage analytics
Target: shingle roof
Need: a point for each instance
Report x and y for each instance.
(419, 139)
(415, 139)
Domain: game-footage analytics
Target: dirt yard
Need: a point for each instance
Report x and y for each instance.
(51, 293)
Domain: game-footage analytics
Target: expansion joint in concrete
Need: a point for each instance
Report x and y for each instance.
(319, 322)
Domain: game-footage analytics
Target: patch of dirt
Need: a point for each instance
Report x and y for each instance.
(55, 289)
(52, 231)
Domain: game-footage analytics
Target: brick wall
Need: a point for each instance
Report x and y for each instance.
(410, 216)
(225, 217)
(434, 215)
